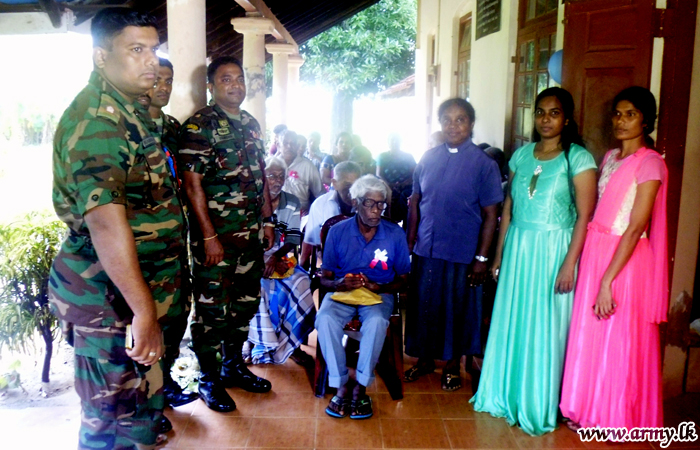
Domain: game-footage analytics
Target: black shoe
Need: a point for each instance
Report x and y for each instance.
(212, 392)
(164, 425)
(174, 396)
(239, 375)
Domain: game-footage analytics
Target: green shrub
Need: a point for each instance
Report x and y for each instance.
(27, 249)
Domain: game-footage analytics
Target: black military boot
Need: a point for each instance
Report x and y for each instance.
(211, 388)
(234, 372)
(174, 396)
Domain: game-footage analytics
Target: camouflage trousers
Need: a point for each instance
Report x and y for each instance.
(122, 401)
(226, 297)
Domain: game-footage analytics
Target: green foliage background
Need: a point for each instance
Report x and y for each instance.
(366, 53)
(27, 249)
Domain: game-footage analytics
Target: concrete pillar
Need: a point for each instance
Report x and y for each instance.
(254, 30)
(293, 93)
(187, 45)
(280, 73)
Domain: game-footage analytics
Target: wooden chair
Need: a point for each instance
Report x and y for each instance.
(390, 364)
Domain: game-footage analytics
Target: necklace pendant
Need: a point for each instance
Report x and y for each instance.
(533, 181)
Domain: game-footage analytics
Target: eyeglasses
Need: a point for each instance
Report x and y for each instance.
(369, 203)
(272, 177)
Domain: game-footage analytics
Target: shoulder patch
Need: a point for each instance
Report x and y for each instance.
(108, 109)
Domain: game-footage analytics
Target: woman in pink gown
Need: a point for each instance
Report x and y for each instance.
(612, 375)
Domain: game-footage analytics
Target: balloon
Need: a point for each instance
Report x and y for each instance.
(554, 66)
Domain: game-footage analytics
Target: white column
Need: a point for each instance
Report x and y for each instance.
(254, 30)
(187, 45)
(280, 73)
(293, 93)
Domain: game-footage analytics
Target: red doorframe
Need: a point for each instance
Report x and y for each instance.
(676, 24)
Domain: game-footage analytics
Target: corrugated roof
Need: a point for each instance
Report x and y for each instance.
(303, 19)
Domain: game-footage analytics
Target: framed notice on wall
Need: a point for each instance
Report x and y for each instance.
(488, 17)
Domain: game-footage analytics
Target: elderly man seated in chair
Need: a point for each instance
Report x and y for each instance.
(365, 261)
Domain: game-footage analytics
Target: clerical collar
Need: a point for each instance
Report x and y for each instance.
(452, 150)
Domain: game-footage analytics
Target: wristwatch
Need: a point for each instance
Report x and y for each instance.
(481, 258)
(270, 219)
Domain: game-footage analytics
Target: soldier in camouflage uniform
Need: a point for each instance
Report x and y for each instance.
(221, 155)
(167, 129)
(168, 126)
(120, 261)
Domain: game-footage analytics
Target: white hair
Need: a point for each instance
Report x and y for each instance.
(346, 168)
(368, 183)
(275, 162)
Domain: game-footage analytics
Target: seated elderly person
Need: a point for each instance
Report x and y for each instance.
(287, 311)
(365, 260)
(334, 202)
(303, 179)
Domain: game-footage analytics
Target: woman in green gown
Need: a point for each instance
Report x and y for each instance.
(543, 228)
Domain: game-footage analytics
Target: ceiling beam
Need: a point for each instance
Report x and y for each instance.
(50, 7)
(280, 33)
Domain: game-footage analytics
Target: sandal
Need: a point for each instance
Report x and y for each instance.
(338, 407)
(451, 382)
(417, 371)
(573, 426)
(361, 408)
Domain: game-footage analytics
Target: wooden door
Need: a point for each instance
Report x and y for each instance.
(607, 47)
(537, 34)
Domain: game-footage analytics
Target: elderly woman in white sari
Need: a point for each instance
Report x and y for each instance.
(287, 311)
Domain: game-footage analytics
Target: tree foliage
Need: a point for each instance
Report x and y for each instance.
(366, 53)
(27, 249)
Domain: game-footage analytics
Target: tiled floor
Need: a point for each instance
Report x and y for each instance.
(291, 417)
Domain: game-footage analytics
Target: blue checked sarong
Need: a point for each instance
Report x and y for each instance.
(285, 318)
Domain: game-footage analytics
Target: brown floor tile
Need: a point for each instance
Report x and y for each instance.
(179, 419)
(246, 405)
(216, 431)
(278, 433)
(289, 404)
(414, 433)
(562, 437)
(456, 406)
(185, 409)
(426, 384)
(348, 433)
(479, 434)
(372, 388)
(259, 369)
(412, 406)
(285, 380)
(289, 364)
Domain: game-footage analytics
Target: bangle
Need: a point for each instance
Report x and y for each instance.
(481, 258)
(210, 238)
(269, 224)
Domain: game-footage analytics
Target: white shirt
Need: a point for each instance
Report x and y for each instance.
(322, 209)
(303, 179)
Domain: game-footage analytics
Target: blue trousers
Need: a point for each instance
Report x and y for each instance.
(331, 319)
